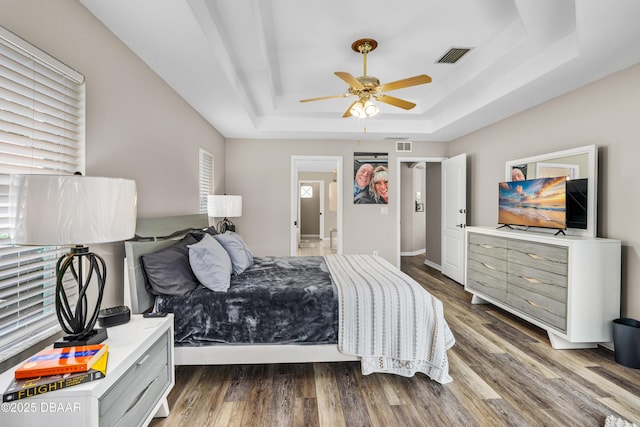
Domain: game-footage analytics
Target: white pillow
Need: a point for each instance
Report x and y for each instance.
(210, 264)
(241, 256)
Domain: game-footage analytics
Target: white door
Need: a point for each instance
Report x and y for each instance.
(454, 216)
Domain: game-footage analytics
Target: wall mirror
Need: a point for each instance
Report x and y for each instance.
(576, 164)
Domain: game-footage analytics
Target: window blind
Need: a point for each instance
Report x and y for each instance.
(41, 132)
(206, 178)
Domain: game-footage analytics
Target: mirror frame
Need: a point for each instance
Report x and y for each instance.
(591, 151)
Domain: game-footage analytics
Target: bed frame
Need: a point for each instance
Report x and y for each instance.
(153, 234)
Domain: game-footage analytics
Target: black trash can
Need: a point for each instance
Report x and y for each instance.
(626, 341)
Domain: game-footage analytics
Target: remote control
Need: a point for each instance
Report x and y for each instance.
(154, 314)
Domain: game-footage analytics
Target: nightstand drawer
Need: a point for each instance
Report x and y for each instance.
(132, 396)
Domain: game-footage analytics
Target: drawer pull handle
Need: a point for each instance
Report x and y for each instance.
(487, 246)
(144, 359)
(139, 397)
(531, 280)
(534, 256)
(488, 266)
(534, 304)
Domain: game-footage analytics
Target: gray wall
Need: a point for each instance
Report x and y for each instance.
(137, 127)
(604, 113)
(267, 184)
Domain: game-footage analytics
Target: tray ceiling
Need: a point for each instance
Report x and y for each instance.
(245, 64)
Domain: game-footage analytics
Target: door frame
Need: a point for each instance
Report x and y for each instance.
(294, 196)
(399, 161)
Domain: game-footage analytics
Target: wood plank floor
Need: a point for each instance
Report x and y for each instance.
(504, 372)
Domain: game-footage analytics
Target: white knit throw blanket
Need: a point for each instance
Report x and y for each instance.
(388, 320)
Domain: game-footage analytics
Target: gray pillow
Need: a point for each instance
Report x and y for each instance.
(211, 264)
(167, 271)
(241, 256)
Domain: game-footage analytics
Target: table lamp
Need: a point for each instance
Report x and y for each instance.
(76, 211)
(224, 206)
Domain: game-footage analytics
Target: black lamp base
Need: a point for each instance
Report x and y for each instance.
(225, 225)
(96, 337)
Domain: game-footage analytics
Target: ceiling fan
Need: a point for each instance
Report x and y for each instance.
(368, 87)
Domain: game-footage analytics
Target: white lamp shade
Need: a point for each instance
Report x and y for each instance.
(71, 209)
(224, 206)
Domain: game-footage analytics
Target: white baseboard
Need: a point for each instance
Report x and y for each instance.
(433, 265)
(310, 236)
(414, 253)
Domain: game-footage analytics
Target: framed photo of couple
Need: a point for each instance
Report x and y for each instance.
(370, 178)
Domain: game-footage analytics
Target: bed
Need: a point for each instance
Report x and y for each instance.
(288, 309)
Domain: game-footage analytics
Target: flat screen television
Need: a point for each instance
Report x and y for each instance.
(537, 202)
(577, 190)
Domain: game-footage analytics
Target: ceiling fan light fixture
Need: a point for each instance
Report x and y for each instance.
(363, 109)
(366, 87)
(370, 109)
(357, 110)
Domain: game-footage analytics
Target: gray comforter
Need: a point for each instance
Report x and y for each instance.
(278, 300)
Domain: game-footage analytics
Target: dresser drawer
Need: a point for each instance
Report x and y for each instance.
(133, 396)
(540, 307)
(538, 256)
(487, 275)
(487, 265)
(494, 247)
(551, 285)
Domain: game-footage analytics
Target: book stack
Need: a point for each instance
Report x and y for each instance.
(57, 368)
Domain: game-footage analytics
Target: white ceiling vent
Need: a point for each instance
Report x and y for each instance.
(453, 55)
(403, 146)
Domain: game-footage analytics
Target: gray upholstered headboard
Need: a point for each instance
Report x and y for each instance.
(152, 234)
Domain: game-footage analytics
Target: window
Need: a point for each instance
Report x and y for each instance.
(41, 131)
(206, 178)
(306, 192)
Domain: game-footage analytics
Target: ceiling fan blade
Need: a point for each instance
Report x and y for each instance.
(344, 95)
(351, 81)
(396, 102)
(348, 112)
(411, 81)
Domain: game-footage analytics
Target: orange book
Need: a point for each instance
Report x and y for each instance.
(27, 387)
(54, 361)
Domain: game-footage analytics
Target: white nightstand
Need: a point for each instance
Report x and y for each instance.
(139, 377)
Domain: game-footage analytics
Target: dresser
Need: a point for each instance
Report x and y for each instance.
(139, 377)
(567, 285)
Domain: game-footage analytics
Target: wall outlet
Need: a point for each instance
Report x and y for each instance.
(375, 253)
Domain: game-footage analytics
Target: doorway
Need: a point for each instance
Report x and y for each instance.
(419, 209)
(324, 174)
(311, 217)
(452, 205)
